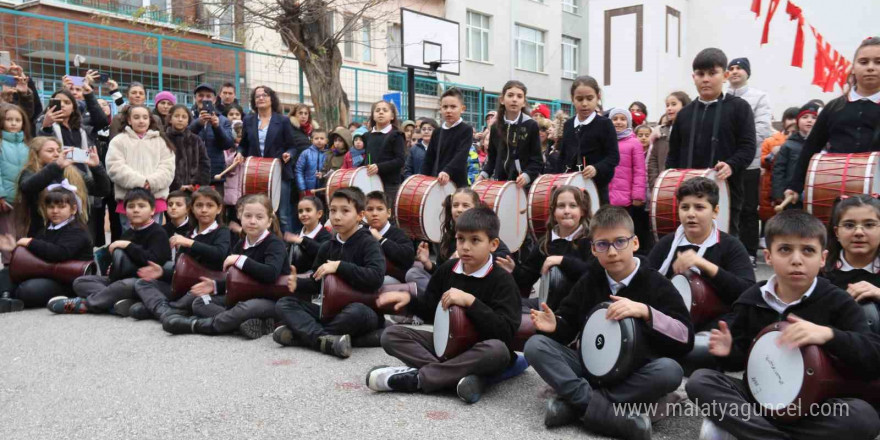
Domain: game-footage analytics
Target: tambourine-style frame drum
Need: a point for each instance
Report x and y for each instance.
(699, 297)
(187, 273)
(241, 287)
(830, 176)
(356, 177)
(786, 382)
(453, 332)
(664, 205)
(872, 314)
(419, 207)
(553, 287)
(24, 265)
(336, 294)
(541, 193)
(511, 205)
(262, 175)
(611, 350)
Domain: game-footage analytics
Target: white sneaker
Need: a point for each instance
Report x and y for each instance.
(384, 378)
(711, 431)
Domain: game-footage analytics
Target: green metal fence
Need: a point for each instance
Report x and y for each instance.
(50, 47)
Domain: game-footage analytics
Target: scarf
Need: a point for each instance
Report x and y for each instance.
(357, 156)
(307, 128)
(629, 122)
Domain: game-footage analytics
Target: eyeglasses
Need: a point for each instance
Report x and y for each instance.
(851, 226)
(261, 96)
(619, 243)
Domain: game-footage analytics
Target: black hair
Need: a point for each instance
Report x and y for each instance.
(479, 219)
(235, 106)
(642, 107)
(61, 196)
(273, 98)
(139, 194)
(797, 223)
(698, 187)
(227, 84)
(790, 113)
(840, 206)
(709, 59)
(609, 217)
(354, 124)
(377, 195)
(75, 118)
(454, 92)
(430, 122)
(180, 193)
(318, 130)
(319, 205)
(352, 194)
(588, 81)
(175, 108)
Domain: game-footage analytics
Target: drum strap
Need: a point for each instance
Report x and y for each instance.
(436, 170)
(713, 142)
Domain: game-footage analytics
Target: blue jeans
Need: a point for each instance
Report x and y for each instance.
(126, 224)
(289, 222)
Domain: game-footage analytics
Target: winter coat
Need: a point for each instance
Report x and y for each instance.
(232, 185)
(309, 163)
(784, 165)
(279, 140)
(192, 166)
(132, 161)
(659, 151)
(216, 139)
(13, 156)
(630, 177)
(765, 210)
(414, 160)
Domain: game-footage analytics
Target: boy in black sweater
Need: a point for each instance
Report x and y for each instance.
(146, 241)
(354, 256)
(396, 245)
(636, 292)
(720, 259)
(177, 216)
(447, 154)
(715, 131)
(820, 313)
(491, 302)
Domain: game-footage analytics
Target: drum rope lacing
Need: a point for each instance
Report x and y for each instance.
(498, 198)
(671, 187)
(407, 206)
(543, 216)
(837, 167)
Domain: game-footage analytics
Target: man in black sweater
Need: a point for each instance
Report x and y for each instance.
(819, 313)
(715, 131)
(490, 299)
(146, 241)
(396, 245)
(635, 292)
(447, 154)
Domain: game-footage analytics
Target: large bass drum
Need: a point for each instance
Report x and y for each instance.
(262, 176)
(353, 177)
(419, 207)
(664, 205)
(830, 176)
(510, 203)
(541, 193)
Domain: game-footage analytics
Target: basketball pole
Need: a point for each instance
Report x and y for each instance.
(411, 93)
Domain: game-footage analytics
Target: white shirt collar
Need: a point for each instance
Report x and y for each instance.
(844, 265)
(479, 273)
(195, 233)
(312, 233)
(182, 224)
(352, 235)
(578, 122)
(385, 130)
(62, 224)
(708, 102)
(522, 118)
(145, 226)
(445, 127)
(385, 228)
(616, 286)
(248, 244)
(768, 293)
(855, 96)
(554, 236)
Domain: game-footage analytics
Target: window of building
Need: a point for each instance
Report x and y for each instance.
(367, 39)
(348, 38)
(570, 57)
(477, 36)
(570, 6)
(529, 53)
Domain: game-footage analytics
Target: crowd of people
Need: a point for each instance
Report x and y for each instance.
(168, 181)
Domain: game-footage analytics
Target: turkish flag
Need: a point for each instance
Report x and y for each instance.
(774, 4)
(795, 12)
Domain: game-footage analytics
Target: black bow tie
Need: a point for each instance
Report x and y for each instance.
(688, 247)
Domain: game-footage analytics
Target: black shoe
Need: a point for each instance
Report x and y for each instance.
(168, 312)
(558, 413)
(179, 325)
(284, 337)
(602, 418)
(369, 339)
(8, 305)
(470, 388)
(123, 307)
(336, 345)
(139, 312)
(256, 328)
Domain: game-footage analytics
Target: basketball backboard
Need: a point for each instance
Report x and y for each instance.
(430, 43)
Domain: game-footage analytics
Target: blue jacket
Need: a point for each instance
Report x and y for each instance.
(414, 160)
(216, 139)
(13, 155)
(310, 162)
(279, 140)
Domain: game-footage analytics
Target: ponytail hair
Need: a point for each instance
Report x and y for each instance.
(448, 227)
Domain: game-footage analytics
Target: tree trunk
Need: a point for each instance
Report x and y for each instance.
(328, 96)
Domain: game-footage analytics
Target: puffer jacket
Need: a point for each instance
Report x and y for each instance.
(765, 200)
(309, 163)
(132, 161)
(192, 166)
(13, 155)
(630, 176)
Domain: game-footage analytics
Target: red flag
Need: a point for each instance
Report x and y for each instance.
(819, 65)
(770, 11)
(795, 13)
(756, 8)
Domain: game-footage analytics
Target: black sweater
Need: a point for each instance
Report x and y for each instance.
(210, 249)
(495, 312)
(735, 273)
(843, 279)
(310, 248)
(448, 152)
(31, 184)
(595, 144)
(148, 244)
(184, 229)
(509, 141)
(647, 287)
(361, 263)
(736, 135)
(827, 306)
(846, 127)
(265, 262)
(398, 248)
(71, 242)
(387, 152)
(576, 258)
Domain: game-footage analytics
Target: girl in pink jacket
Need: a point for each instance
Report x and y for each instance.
(627, 187)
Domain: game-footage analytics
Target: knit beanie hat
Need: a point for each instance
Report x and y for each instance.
(809, 108)
(743, 64)
(165, 96)
(543, 110)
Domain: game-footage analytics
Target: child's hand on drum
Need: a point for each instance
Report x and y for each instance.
(589, 172)
(230, 261)
(456, 297)
(328, 268)
(398, 299)
(203, 287)
(291, 281)
(521, 181)
(863, 291)
(179, 240)
(720, 340)
(24, 242)
(443, 178)
(372, 170)
(553, 260)
(150, 272)
(802, 333)
(623, 308)
(686, 260)
(506, 263)
(544, 320)
(118, 244)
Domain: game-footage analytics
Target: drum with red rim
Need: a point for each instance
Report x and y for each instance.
(611, 350)
(188, 272)
(510, 203)
(419, 207)
(830, 176)
(24, 265)
(336, 294)
(699, 297)
(664, 205)
(241, 287)
(262, 175)
(541, 193)
(356, 177)
(453, 332)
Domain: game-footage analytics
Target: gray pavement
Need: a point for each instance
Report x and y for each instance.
(105, 377)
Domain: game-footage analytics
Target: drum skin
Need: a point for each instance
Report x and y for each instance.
(872, 313)
(461, 335)
(704, 304)
(24, 265)
(262, 176)
(664, 205)
(241, 287)
(541, 193)
(419, 207)
(511, 205)
(525, 331)
(831, 175)
(122, 266)
(188, 272)
(344, 178)
(618, 361)
(553, 287)
(336, 294)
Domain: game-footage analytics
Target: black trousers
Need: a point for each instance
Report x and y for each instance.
(735, 185)
(96, 222)
(102, 294)
(642, 224)
(748, 217)
(227, 320)
(37, 292)
(115, 224)
(303, 319)
(725, 401)
(154, 294)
